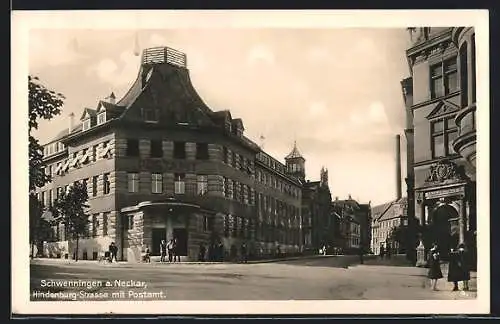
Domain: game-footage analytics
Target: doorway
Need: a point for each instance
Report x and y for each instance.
(444, 228)
(157, 234)
(181, 235)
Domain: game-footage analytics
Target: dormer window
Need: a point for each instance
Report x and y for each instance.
(101, 118)
(86, 124)
(151, 115)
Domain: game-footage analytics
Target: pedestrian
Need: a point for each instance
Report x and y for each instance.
(454, 274)
(113, 251)
(176, 250)
(170, 249)
(110, 252)
(163, 250)
(244, 253)
(464, 266)
(202, 252)
(434, 263)
(147, 254)
(382, 252)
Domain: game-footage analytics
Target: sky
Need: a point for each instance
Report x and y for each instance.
(336, 92)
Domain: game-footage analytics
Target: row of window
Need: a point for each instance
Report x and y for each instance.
(48, 197)
(273, 206)
(59, 232)
(88, 155)
(271, 162)
(240, 227)
(156, 149)
(237, 161)
(157, 183)
(235, 190)
(53, 148)
(273, 182)
(101, 119)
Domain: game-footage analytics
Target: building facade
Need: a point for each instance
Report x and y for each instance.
(354, 220)
(440, 100)
(386, 218)
(316, 207)
(160, 164)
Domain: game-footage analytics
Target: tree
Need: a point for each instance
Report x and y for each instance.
(43, 104)
(39, 227)
(70, 208)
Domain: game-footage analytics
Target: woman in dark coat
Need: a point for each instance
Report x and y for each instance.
(454, 270)
(434, 262)
(464, 266)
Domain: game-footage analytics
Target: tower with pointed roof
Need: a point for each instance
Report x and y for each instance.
(295, 163)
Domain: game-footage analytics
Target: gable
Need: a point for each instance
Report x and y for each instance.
(100, 107)
(238, 123)
(443, 108)
(87, 113)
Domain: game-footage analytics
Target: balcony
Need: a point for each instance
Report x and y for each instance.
(465, 143)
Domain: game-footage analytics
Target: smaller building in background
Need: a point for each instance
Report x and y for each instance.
(354, 225)
(386, 218)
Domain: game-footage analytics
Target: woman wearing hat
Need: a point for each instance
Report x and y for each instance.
(434, 262)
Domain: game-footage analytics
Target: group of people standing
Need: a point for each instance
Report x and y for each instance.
(458, 267)
(170, 249)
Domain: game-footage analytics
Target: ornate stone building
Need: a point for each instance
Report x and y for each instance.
(318, 225)
(354, 225)
(440, 102)
(159, 163)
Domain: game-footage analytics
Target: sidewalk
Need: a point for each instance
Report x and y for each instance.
(417, 281)
(157, 263)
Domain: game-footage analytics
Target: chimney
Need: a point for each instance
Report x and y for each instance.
(71, 125)
(398, 167)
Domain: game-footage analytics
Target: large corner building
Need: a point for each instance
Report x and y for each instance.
(159, 163)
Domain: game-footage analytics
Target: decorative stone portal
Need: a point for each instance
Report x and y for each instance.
(446, 208)
(150, 222)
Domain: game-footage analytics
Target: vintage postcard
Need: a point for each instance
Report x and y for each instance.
(250, 162)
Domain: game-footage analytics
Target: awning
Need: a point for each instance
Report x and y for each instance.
(169, 202)
(104, 151)
(74, 162)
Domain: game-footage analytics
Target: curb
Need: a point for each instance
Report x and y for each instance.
(125, 263)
